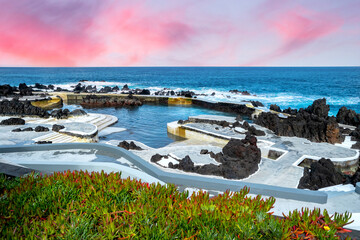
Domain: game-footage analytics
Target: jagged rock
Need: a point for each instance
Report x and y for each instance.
(77, 113)
(240, 109)
(57, 127)
(40, 86)
(239, 92)
(257, 104)
(355, 134)
(129, 146)
(41, 129)
(105, 89)
(51, 87)
(79, 88)
(60, 113)
(303, 125)
(186, 164)
(253, 131)
(16, 130)
(28, 129)
(356, 145)
(13, 121)
(319, 108)
(106, 101)
(239, 159)
(144, 92)
(157, 157)
(6, 90)
(290, 111)
(275, 108)
(321, 174)
(25, 90)
(188, 94)
(204, 151)
(43, 142)
(16, 107)
(125, 88)
(348, 116)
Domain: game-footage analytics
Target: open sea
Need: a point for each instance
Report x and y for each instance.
(293, 87)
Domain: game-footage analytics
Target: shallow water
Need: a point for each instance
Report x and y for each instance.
(148, 123)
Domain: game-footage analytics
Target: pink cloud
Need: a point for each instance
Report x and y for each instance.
(45, 34)
(136, 32)
(297, 28)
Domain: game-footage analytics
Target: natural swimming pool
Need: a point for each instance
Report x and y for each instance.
(148, 123)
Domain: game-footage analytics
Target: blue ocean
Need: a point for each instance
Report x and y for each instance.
(293, 87)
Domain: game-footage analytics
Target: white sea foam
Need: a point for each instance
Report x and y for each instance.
(98, 84)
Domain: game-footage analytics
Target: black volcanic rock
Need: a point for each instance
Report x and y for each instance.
(319, 108)
(41, 129)
(77, 113)
(13, 121)
(275, 108)
(43, 142)
(40, 86)
(16, 130)
(129, 146)
(106, 101)
(60, 113)
(235, 91)
(303, 125)
(25, 90)
(239, 159)
(57, 127)
(157, 157)
(6, 90)
(125, 88)
(256, 132)
(321, 174)
(16, 107)
(204, 151)
(348, 116)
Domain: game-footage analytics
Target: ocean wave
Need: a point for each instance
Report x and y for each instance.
(98, 84)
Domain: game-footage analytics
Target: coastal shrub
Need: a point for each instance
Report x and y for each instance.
(83, 205)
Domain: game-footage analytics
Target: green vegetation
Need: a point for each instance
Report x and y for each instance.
(82, 205)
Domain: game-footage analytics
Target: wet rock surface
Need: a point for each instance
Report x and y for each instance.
(239, 159)
(13, 121)
(129, 146)
(321, 174)
(105, 101)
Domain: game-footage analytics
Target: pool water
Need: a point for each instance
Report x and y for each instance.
(148, 123)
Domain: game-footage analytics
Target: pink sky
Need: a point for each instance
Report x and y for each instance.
(180, 33)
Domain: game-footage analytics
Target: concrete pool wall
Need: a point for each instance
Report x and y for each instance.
(201, 182)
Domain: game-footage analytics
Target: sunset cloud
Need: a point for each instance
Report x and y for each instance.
(154, 33)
